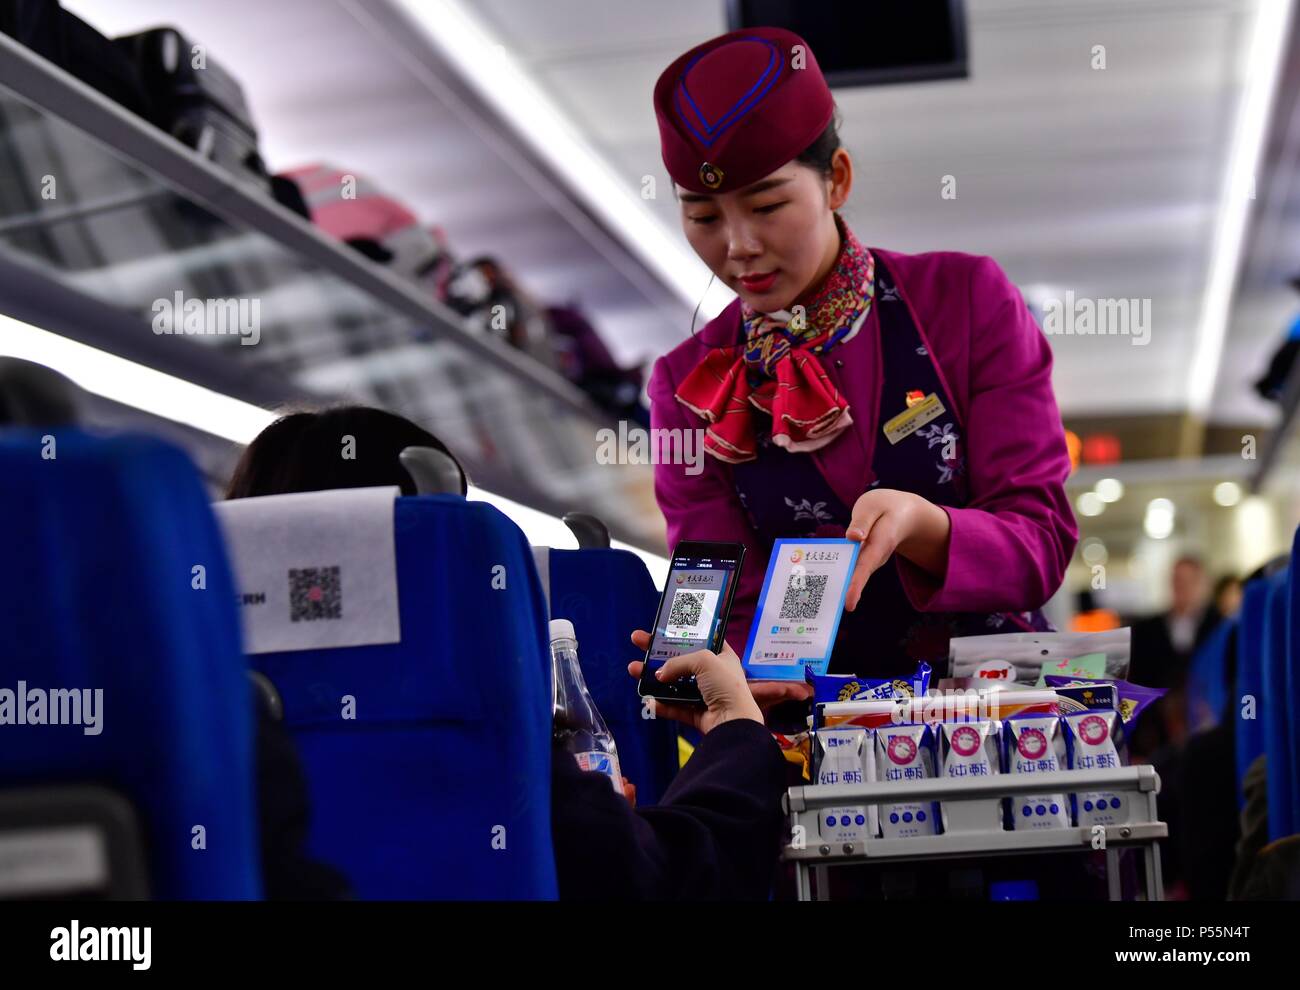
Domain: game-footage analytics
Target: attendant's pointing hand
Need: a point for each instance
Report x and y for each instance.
(887, 521)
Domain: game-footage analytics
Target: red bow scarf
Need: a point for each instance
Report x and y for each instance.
(779, 372)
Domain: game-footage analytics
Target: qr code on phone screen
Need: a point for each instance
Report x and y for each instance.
(803, 596)
(687, 607)
(315, 593)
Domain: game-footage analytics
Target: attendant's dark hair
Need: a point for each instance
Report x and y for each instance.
(303, 452)
(818, 155)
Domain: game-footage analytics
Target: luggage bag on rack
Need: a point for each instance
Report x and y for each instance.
(73, 45)
(197, 101)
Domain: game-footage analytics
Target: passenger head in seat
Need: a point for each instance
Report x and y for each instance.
(345, 447)
(34, 395)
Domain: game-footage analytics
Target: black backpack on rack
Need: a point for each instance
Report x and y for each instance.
(197, 101)
(76, 47)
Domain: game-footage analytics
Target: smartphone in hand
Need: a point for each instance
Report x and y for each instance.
(693, 613)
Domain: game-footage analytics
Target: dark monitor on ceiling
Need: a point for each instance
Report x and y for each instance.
(869, 42)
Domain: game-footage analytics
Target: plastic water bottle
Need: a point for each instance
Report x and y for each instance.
(578, 725)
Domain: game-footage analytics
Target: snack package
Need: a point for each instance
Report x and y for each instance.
(1033, 744)
(1092, 740)
(797, 750)
(956, 706)
(1131, 699)
(980, 684)
(1090, 665)
(844, 756)
(905, 752)
(1090, 697)
(970, 749)
(845, 687)
(1023, 656)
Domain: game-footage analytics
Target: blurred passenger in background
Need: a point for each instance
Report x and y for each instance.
(1227, 596)
(1091, 617)
(1162, 651)
(587, 362)
(482, 290)
(560, 337)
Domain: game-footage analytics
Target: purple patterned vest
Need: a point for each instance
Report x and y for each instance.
(785, 495)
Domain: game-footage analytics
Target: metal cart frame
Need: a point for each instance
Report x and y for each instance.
(1144, 829)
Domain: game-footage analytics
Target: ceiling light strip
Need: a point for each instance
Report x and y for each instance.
(490, 68)
(1263, 68)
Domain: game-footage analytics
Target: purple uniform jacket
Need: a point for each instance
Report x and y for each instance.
(1011, 543)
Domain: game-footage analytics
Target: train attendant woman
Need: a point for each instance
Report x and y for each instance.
(903, 400)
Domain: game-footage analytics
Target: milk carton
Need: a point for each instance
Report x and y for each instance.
(844, 758)
(1091, 742)
(970, 751)
(1034, 745)
(905, 752)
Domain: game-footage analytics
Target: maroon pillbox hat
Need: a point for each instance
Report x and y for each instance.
(734, 109)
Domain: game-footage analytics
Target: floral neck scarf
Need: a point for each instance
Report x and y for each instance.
(779, 372)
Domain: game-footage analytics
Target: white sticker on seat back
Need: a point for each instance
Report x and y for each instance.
(314, 570)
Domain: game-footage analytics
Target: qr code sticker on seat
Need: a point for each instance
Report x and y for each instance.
(803, 596)
(687, 606)
(315, 593)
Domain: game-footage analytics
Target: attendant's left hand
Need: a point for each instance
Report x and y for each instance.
(769, 694)
(887, 521)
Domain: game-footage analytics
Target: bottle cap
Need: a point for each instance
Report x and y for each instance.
(562, 629)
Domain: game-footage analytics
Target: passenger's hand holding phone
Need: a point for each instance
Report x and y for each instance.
(721, 680)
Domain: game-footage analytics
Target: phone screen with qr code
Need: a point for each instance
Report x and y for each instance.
(692, 613)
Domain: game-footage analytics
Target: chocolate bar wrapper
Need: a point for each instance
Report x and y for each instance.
(1130, 701)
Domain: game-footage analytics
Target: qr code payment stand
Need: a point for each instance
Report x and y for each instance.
(799, 607)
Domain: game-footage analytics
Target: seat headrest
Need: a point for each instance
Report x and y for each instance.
(592, 534)
(433, 471)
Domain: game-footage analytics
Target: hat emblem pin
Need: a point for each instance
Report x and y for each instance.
(710, 175)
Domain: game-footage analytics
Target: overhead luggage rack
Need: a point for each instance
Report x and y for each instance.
(137, 217)
(1143, 829)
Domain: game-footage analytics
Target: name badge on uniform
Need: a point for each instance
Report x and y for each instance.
(910, 420)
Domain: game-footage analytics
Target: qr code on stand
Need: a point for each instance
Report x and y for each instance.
(803, 596)
(315, 593)
(687, 606)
